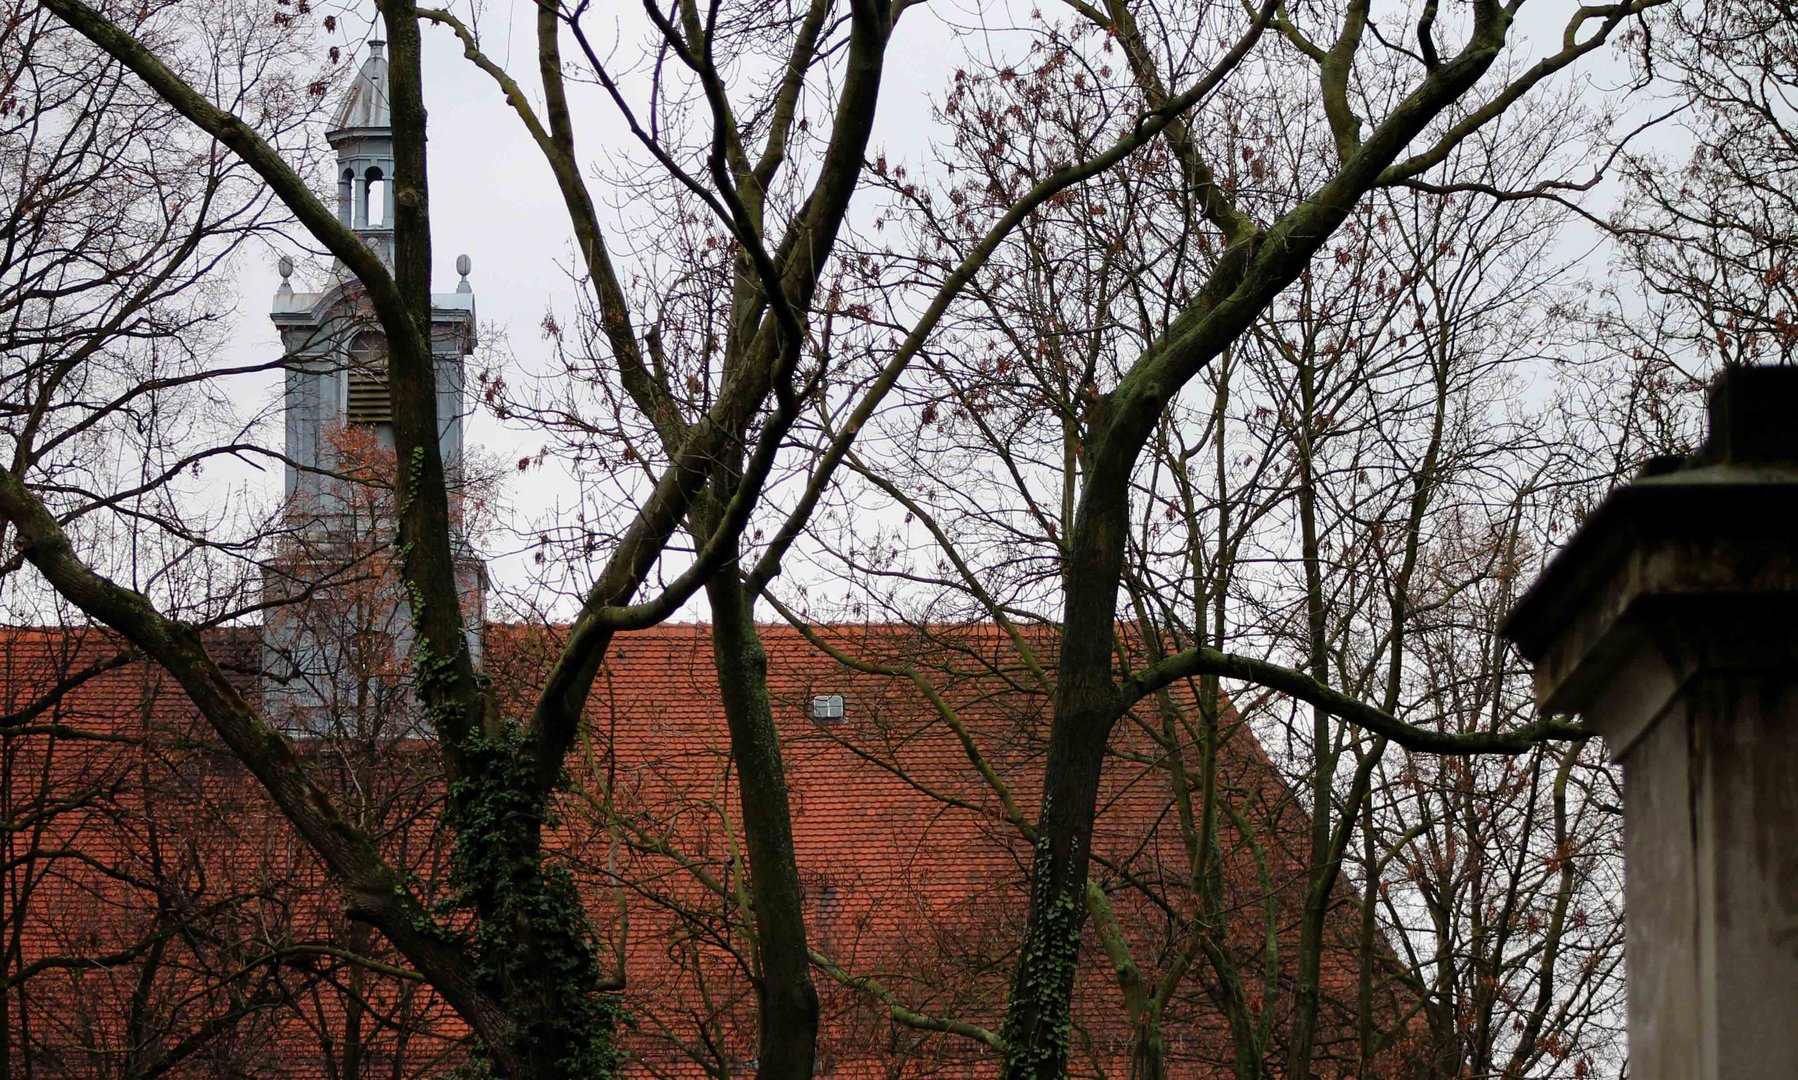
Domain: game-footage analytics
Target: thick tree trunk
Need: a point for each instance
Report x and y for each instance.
(1148, 1050)
(1038, 1020)
(1038, 1017)
(788, 999)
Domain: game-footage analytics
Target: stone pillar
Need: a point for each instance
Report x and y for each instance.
(1670, 624)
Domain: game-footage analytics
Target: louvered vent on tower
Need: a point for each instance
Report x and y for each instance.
(369, 400)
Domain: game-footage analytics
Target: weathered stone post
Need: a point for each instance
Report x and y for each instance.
(1670, 623)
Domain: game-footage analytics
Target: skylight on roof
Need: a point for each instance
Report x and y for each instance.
(827, 707)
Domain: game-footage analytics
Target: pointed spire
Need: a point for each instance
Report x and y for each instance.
(366, 105)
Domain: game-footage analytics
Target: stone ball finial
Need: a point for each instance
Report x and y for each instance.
(284, 267)
(464, 264)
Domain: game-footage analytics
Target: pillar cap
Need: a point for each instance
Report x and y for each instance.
(1692, 541)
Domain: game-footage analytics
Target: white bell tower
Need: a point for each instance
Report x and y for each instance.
(351, 632)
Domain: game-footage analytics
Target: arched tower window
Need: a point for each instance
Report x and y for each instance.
(369, 400)
(377, 199)
(346, 198)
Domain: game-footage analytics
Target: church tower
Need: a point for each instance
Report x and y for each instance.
(335, 659)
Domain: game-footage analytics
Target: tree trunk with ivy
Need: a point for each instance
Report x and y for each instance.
(1257, 262)
(524, 974)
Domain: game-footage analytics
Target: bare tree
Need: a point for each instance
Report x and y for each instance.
(139, 939)
(745, 364)
(1336, 509)
(160, 920)
(1380, 117)
(524, 978)
(116, 223)
(1710, 229)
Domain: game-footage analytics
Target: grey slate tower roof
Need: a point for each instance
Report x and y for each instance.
(367, 104)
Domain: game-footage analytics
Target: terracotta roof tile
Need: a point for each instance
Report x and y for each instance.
(913, 874)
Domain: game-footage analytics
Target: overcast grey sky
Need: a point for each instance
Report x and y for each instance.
(492, 196)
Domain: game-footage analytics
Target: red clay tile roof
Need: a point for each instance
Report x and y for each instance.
(914, 875)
